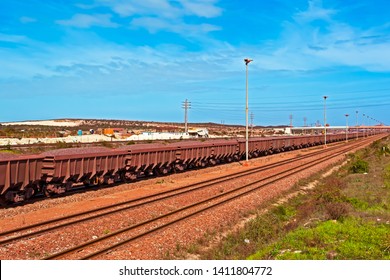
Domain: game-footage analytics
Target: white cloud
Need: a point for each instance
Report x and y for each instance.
(315, 11)
(12, 38)
(329, 42)
(154, 25)
(86, 21)
(201, 8)
(163, 8)
(372, 57)
(127, 8)
(167, 15)
(302, 47)
(27, 20)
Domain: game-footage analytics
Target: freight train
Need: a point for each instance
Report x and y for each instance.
(25, 176)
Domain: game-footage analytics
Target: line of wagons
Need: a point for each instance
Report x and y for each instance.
(58, 171)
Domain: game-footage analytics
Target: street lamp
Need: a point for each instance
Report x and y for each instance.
(247, 61)
(357, 125)
(325, 97)
(364, 131)
(346, 128)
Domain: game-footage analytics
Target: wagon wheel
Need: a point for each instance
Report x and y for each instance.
(29, 192)
(161, 171)
(47, 192)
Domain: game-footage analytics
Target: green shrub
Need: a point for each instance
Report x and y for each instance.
(359, 166)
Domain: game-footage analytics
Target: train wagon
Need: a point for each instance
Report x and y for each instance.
(149, 159)
(200, 154)
(263, 146)
(298, 142)
(225, 151)
(160, 159)
(20, 176)
(68, 168)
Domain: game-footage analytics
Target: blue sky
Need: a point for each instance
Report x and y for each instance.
(139, 60)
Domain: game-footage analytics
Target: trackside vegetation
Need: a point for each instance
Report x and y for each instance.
(346, 216)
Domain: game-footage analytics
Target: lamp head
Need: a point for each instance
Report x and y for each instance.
(247, 61)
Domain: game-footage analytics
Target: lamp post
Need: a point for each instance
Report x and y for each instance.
(357, 126)
(247, 61)
(364, 131)
(346, 127)
(325, 97)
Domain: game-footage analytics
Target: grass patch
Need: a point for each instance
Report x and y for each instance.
(10, 151)
(350, 239)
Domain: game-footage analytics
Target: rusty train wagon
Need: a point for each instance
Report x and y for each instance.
(20, 176)
(208, 153)
(64, 169)
(265, 146)
(256, 147)
(149, 159)
(298, 142)
(159, 159)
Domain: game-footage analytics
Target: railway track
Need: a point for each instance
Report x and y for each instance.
(195, 208)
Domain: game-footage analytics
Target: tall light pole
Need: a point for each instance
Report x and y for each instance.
(325, 97)
(247, 61)
(357, 125)
(364, 131)
(346, 127)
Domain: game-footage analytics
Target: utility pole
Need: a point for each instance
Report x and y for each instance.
(291, 120)
(186, 106)
(252, 116)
